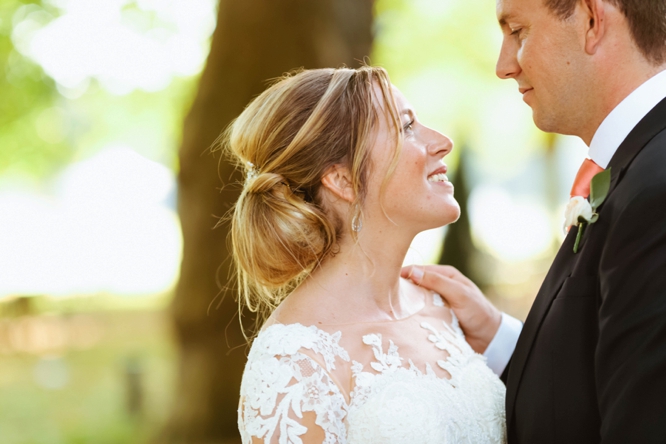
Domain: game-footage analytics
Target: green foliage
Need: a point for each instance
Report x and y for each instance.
(451, 46)
(458, 33)
(43, 127)
(27, 97)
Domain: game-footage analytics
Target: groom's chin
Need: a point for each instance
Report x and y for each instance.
(545, 123)
(550, 122)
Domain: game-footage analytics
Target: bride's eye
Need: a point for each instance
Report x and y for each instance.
(408, 126)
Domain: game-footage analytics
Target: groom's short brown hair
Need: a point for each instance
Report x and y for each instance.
(647, 21)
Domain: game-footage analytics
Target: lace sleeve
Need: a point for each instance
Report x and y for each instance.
(278, 392)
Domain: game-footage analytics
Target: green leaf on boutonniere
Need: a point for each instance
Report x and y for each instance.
(579, 236)
(599, 188)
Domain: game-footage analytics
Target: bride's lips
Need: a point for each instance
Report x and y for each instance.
(441, 170)
(439, 176)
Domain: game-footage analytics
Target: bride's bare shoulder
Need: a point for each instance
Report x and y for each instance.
(300, 307)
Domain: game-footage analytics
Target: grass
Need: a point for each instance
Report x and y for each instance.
(64, 378)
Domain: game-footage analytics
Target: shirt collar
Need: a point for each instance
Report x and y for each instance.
(624, 117)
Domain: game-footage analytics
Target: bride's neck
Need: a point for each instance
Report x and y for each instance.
(363, 278)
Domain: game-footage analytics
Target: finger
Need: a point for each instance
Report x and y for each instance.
(406, 272)
(444, 270)
(450, 272)
(412, 272)
(453, 291)
(416, 272)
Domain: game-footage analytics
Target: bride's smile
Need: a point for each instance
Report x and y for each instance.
(418, 194)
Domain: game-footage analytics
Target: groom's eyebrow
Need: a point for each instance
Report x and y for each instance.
(504, 18)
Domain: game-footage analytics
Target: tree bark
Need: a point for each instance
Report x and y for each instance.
(255, 40)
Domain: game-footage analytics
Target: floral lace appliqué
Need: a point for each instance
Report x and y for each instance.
(280, 383)
(398, 404)
(391, 402)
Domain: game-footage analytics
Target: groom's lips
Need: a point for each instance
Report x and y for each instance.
(524, 92)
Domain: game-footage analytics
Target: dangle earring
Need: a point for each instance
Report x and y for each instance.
(356, 223)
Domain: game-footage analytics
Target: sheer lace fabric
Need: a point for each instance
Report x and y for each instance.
(406, 381)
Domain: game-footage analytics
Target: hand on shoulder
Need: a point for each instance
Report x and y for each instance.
(478, 318)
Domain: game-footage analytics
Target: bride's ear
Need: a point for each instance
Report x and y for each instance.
(337, 180)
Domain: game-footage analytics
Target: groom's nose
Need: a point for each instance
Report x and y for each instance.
(507, 64)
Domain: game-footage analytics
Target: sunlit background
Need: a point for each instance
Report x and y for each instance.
(92, 98)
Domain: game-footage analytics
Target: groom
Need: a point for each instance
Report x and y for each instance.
(590, 363)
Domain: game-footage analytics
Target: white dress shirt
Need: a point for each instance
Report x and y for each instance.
(624, 117)
(607, 139)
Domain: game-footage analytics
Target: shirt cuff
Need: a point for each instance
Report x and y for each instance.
(501, 348)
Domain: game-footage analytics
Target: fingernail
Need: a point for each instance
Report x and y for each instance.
(417, 274)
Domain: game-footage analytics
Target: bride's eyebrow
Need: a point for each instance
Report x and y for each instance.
(409, 112)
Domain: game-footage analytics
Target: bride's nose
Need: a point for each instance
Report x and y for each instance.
(439, 144)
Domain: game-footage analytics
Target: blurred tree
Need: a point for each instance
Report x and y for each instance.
(255, 40)
(459, 249)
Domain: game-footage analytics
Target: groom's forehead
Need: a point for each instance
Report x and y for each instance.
(510, 9)
(504, 10)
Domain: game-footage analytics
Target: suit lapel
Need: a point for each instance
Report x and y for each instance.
(558, 273)
(651, 125)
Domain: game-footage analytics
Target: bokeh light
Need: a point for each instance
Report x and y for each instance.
(125, 45)
(110, 227)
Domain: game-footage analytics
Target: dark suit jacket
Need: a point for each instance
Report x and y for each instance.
(590, 363)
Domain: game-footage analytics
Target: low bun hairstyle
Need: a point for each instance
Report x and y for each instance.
(286, 139)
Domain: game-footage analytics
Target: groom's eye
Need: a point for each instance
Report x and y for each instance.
(516, 31)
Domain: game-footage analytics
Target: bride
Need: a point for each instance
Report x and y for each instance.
(341, 176)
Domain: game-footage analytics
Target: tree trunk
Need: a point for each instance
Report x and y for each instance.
(255, 40)
(459, 249)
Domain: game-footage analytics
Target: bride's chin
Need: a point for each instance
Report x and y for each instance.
(444, 218)
(451, 219)
(456, 217)
(452, 215)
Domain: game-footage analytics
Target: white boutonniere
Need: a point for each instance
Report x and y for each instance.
(576, 208)
(582, 212)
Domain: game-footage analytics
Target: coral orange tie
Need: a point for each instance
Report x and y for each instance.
(587, 171)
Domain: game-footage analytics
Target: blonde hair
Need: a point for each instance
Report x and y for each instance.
(286, 139)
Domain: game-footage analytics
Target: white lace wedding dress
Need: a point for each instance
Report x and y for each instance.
(415, 380)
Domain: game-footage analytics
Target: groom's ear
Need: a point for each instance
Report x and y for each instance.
(595, 11)
(337, 179)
